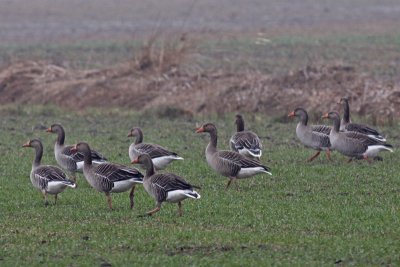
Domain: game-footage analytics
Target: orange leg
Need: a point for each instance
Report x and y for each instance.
(109, 200)
(154, 210)
(180, 212)
(46, 202)
(367, 159)
(313, 157)
(229, 183)
(328, 154)
(132, 196)
(55, 199)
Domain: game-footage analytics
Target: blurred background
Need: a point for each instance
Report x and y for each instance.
(202, 56)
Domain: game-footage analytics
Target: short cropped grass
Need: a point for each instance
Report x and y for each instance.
(318, 213)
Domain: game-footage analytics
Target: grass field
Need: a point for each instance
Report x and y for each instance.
(317, 213)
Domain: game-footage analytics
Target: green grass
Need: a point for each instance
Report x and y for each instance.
(314, 213)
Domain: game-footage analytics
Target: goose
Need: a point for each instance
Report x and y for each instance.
(46, 178)
(229, 163)
(71, 162)
(354, 144)
(166, 186)
(246, 143)
(347, 126)
(108, 177)
(161, 157)
(312, 136)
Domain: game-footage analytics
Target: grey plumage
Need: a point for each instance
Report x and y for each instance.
(46, 178)
(354, 144)
(108, 177)
(165, 186)
(347, 125)
(69, 161)
(161, 156)
(246, 143)
(312, 136)
(229, 163)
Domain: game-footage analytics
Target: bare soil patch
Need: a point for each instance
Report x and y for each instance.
(317, 88)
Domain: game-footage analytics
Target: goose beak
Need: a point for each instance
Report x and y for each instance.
(135, 161)
(129, 134)
(73, 149)
(291, 114)
(325, 116)
(26, 144)
(200, 130)
(49, 130)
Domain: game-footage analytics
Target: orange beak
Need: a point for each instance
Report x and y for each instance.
(135, 161)
(26, 144)
(49, 130)
(325, 116)
(73, 149)
(200, 130)
(291, 114)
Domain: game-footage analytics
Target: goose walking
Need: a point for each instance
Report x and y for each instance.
(108, 177)
(348, 126)
(69, 161)
(46, 178)
(166, 186)
(354, 144)
(161, 157)
(246, 143)
(312, 136)
(229, 163)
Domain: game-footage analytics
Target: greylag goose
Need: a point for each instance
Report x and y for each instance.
(166, 186)
(108, 177)
(48, 179)
(312, 136)
(348, 126)
(354, 144)
(71, 162)
(246, 143)
(161, 157)
(229, 163)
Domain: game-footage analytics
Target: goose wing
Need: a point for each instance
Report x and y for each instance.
(154, 151)
(115, 172)
(78, 156)
(321, 129)
(235, 159)
(361, 128)
(166, 182)
(321, 139)
(46, 173)
(246, 140)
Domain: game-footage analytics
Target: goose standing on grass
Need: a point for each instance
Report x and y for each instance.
(229, 163)
(166, 186)
(347, 126)
(48, 179)
(108, 177)
(71, 162)
(353, 144)
(161, 157)
(246, 143)
(312, 136)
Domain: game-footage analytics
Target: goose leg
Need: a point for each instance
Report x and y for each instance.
(46, 202)
(109, 200)
(229, 183)
(154, 210)
(313, 157)
(367, 159)
(236, 184)
(131, 196)
(328, 154)
(350, 160)
(180, 212)
(55, 199)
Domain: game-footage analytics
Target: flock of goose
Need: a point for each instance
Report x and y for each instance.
(243, 160)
